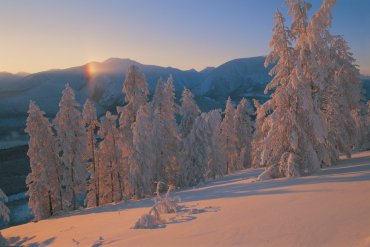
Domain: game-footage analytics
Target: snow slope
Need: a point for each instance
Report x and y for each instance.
(330, 208)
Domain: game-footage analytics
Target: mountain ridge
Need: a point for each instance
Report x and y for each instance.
(102, 82)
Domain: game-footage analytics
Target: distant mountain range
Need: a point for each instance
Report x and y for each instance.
(102, 82)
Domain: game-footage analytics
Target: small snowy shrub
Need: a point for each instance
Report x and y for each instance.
(162, 205)
(166, 204)
(148, 221)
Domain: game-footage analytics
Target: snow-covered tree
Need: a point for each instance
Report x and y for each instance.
(142, 162)
(170, 130)
(4, 210)
(229, 139)
(261, 130)
(194, 156)
(201, 151)
(312, 113)
(135, 90)
(91, 124)
(165, 134)
(111, 172)
(216, 161)
(44, 181)
(294, 127)
(157, 108)
(282, 53)
(243, 129)
(72, 146)
(189, 111)
(346, 81)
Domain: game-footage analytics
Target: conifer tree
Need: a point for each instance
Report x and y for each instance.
(166, 138)
(293, 124)
(172, 140)
(44, 182)
(189, 111)
(91, 124)
(111, 172)
(243, 129)
(72, 146)
(135, 90)
(228, 134)
(216, 160)
(141, 162)
(194, 160)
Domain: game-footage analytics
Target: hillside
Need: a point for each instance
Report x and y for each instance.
(329, 208)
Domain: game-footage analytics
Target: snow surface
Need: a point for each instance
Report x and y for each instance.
(330, 208)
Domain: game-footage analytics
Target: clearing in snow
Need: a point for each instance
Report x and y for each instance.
(329, 208)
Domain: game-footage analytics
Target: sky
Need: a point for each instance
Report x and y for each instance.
(47, 34)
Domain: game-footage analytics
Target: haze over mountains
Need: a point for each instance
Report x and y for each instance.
(102, 82)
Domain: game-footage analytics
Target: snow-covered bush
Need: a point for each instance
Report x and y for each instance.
(162, 205)
(166, 204)
(148, 221)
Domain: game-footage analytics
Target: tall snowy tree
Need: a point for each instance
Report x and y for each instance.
(72, 146)
(189, 111)
(228, 134)
(216, 161)
(262, 127)
(294, 126)
(166, 138)
(346, 81)
(91, 124)
(44, 182)
(202, 154)
(4, 210)
(111, 172)
(135, 90)
(243, 129)
(172, 141)
(142, 162)
(194, 153)
(313, 100)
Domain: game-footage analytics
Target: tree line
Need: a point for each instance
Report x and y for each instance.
(78, 160)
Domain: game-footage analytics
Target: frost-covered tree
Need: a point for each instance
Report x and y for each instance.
(157, 108)
(142, 162)
(172, 137)
(261, 130)
(135, 90)
(111, 172)
(282, 53)
(91, 124)
(294, 127)
(44, 182)
(216, 161)
(228, 134)
(4, 210)
(194, 153)
(346, 79)
(243, 129)
(316, 97)
(201, 152)
(165, 134)
(72, 147)
(189, 111)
